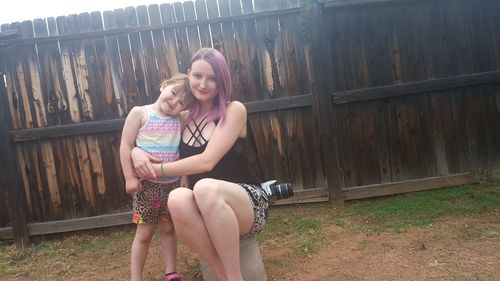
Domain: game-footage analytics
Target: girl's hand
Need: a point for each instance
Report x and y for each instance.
(142, 162)
(184, 181)
(133, 185)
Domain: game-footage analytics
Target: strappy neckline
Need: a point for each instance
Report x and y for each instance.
(196, 135)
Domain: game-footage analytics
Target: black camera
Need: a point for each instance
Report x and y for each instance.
(277, 190)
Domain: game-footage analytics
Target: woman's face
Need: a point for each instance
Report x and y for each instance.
(202, 81)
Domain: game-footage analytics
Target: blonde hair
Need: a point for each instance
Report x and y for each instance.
(181, 82)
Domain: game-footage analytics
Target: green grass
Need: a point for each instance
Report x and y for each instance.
(396, 213)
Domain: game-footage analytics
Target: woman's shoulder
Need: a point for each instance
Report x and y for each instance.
(236, 107)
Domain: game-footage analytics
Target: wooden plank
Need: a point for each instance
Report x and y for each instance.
(12, 98)
(47, 171)
(67, 130)
(242, 66)
(347, 3)
(183, 50)
(324, 111)
(83, 152)
(418, 87)
(204, 32)
(364, 138)
(31, 84)
(50, 84)
(68, 176)
(250, 76)
(229, 49)
(131, 93)
(117, 124)
(136, 48)
(280, 103)
(192, 31)
(289, 65)
(215, 27)
(90, 68)
(69, 81)
(113, 58)
(376, 190)
(10, 181)
(159, 44)
(168, 17)
(304, 196)
(152, 81)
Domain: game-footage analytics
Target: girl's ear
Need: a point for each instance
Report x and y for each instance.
(163, 86)
(189, 71)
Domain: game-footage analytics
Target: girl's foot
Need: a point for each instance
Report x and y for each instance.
(174, 276)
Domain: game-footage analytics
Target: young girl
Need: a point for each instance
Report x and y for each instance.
(226, 201)
(155, 128)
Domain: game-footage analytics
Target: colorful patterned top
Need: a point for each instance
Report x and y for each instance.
(160, 137)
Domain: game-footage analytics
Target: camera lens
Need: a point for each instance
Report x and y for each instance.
(281, 190)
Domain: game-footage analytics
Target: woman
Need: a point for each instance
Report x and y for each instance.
(226, 201)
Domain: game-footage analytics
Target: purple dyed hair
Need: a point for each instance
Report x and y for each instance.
(223, 78)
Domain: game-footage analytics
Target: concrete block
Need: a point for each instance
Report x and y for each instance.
(251, 263)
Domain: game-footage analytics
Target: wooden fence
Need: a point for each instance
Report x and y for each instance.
(347, 99)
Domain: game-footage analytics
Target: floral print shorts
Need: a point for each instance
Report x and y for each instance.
(150, 204)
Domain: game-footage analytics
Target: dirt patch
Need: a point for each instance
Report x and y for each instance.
(458, 248)
(462, 249)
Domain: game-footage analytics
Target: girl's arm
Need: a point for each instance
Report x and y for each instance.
(133, 123)
(221, 141)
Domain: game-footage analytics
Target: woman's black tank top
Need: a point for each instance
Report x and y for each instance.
(233, 167)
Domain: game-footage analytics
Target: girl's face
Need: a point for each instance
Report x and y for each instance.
(202, 81)
(171, 100)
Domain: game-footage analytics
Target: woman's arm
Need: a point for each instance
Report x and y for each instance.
(222, 139)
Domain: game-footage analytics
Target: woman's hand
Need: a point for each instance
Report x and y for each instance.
(142, 162)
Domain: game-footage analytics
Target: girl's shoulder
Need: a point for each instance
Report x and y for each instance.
(138, 110)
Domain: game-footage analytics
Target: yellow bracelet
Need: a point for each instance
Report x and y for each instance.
(161, 169)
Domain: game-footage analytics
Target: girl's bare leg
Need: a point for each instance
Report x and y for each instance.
(168, 245)
(143, 235)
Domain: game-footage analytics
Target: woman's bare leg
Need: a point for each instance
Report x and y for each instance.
(227, 212)
(143, 235)
(190, 228)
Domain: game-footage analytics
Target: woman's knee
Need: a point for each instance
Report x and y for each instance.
(180, 203)
(206, 192)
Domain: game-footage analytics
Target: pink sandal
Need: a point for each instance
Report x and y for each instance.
(174, 276)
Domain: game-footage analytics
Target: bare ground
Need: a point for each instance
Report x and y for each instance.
(464, 248)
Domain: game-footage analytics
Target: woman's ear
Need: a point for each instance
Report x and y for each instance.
(189, 71)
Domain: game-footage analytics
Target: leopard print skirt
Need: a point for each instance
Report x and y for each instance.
(258, 198)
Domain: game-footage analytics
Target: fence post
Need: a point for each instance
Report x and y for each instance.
(323, 105)
(10, 184)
